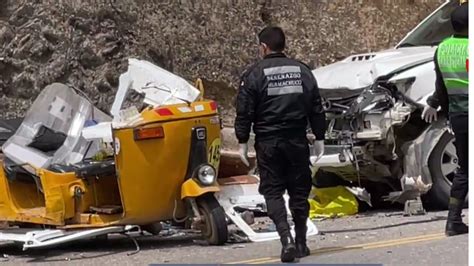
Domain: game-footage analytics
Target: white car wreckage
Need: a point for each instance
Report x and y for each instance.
(375, 134)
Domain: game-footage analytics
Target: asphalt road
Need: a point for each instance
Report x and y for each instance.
(380, 237)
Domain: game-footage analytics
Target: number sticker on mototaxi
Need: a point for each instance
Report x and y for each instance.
(214, 153)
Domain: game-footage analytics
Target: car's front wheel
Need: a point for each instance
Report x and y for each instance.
(443, 163)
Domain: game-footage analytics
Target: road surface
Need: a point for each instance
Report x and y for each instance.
(379, 237)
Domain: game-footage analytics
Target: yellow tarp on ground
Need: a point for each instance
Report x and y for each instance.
(332, 202)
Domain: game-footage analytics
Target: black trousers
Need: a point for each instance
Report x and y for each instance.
(283, 165)
(460, 185)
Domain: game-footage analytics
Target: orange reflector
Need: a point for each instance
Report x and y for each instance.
(149, 133)
(163, 111)
(213, 106)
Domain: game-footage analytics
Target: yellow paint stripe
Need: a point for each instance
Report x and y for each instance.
(402, 239)
(250, 261)
(372, 245)
(403, 242)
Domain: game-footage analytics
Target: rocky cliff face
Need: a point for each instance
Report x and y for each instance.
(86, 42)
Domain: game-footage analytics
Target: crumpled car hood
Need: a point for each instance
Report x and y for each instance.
(360, 71)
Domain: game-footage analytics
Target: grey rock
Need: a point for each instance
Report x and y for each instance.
(89, 59)
(110, 50)
(103, 86)
(52, 36)
(6, 35)
(112, 76)
(22, 15)
(23, 86)
(51, 72)
(38, 49)
(106, 37)
(81, 24)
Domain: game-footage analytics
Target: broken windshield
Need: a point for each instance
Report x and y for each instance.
(433, 30)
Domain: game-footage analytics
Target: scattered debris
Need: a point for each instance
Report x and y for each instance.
(394, 214)
(361, 194)
(240, 194)
(135, 242)
(237, 237)
(5, 257)
(414, 207)
(248, 217)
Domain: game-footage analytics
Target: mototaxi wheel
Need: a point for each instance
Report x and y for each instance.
(214, 224)
(153, 228)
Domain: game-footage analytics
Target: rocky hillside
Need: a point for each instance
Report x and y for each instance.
(86, 42)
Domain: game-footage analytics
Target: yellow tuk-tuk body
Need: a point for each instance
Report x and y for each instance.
(152, 172)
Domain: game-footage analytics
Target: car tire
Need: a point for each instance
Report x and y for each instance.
(214, 229)
(438, 196)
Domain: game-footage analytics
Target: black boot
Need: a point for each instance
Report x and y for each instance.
(288, 250)
(301, 249)
(454, 225)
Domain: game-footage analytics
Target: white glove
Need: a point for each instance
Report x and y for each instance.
(429, 114)
(243, 153)
(318, 147)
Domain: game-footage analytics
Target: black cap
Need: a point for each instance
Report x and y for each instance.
(460, 18)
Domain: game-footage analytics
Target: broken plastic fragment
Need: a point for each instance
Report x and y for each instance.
(159, 86)
(361, 194)
(127, 117)
(102, 131)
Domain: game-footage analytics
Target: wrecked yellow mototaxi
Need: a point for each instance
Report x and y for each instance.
(79, 173)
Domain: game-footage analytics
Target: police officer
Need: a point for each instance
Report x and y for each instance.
(279, 96)
(451, 62)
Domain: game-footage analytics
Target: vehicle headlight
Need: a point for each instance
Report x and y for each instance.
(206, 174)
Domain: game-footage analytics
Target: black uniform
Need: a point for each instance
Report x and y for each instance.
(279, 96)
(459, 124)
